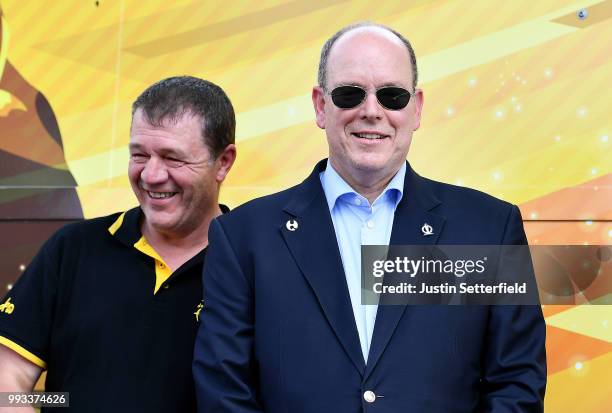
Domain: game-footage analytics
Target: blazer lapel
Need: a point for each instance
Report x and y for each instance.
(412, 214)
(314, 247)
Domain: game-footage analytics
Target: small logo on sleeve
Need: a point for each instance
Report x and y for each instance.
(198, 309)
(7, 307)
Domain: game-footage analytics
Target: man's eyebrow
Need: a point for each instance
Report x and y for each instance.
(172, 152)
(385, 84)
(163, 151)
(392, 84)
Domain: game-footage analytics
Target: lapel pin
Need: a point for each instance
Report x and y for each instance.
(292, 225)
(427, 229)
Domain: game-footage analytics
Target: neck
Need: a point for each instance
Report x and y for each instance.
(366, 184)
(179, 246)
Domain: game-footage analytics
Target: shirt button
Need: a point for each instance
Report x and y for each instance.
(370, 224)
(161, 265)
(369, 396)
(357, 201)
(166, 286)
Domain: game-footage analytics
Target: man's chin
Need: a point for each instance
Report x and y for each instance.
(375, 165)
(159, 221)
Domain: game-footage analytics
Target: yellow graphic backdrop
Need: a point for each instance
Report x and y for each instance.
(517, 104)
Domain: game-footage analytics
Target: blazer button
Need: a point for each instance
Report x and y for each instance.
(369, 396)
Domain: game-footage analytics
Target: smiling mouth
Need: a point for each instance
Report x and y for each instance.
(161, 195)
(369, 136)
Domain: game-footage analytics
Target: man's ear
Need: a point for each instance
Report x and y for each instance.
(418, 108)
(225, 161)
(318, 101)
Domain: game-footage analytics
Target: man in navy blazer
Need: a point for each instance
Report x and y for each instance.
(283, 328)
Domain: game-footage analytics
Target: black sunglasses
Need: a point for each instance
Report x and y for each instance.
(390, 97)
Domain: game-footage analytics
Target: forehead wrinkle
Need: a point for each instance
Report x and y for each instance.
(161, 145)
(367, 79)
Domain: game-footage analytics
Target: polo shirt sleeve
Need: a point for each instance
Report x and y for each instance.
(26, 312)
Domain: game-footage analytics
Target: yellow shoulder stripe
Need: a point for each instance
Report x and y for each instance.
(116, 225)
(23, 352)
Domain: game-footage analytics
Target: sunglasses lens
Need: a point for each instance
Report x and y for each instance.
(393, 98)
(347, 97)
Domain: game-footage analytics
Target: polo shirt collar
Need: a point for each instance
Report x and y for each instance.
(126, 228)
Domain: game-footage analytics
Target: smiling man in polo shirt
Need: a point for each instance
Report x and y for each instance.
(109, 306)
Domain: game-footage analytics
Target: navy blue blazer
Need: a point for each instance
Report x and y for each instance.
(278, 334)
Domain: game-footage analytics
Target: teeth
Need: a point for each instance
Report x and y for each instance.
(160, 195)
(369, 135)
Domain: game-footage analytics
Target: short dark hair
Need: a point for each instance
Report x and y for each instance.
(171, 98)
(322, 74)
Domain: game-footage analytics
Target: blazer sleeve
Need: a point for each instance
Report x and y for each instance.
(224, 368)
(514, 361)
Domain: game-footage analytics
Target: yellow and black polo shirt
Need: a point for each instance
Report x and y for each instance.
(113, 325)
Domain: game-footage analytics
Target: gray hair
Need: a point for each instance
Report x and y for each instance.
(322, 74)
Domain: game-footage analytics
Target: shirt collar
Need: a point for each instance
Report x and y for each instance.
(126, 227)
(335, 186)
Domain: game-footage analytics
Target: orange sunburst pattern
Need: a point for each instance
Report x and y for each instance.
(516, 105)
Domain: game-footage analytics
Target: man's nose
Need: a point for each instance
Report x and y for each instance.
(370, 108)
(154, 172)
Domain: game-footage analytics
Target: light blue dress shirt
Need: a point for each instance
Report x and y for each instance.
(358, 223)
